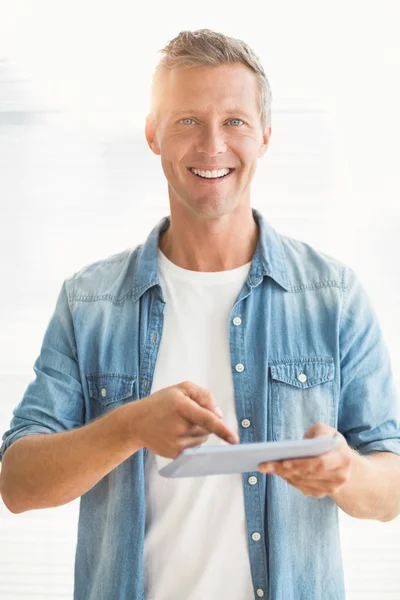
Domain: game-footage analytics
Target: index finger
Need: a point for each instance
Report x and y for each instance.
(198, 415)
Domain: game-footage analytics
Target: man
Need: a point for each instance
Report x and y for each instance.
(215, 312)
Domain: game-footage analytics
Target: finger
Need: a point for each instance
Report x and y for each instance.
(319, 488)
(191, 442)
(209, 421)
(323, 487)
(279, 468)
(328, 462)
(195, 431)
(307, 491)
(336, 481)
(203, 397)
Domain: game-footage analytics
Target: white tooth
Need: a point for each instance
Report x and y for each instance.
(211, 174)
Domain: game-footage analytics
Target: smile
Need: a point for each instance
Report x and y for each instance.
(211, 175)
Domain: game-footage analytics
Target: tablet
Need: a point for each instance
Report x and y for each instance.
(226, 459)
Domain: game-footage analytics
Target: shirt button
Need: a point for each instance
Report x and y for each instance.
(302, 377)
(103, 392)
(256, 536)
(239, 368)
(237, 321)
(260, 593)
(252, 480)
(245, 423)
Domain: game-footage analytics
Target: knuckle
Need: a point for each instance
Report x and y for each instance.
(180, 445)
(176, 423)
(180, 428)
(178, 406)
(341, 479)
(211, 397)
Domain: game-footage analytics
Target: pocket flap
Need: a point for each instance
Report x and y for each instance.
(304, 373)
(109, 387)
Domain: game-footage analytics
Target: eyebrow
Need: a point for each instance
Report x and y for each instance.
(228, 112)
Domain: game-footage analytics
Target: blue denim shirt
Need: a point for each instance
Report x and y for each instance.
(302, 311)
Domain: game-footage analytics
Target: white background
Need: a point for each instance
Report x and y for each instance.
(78, 183)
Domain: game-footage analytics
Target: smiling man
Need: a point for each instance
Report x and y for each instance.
(208, 128)
(216, 330)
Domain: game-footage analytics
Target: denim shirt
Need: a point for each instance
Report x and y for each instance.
(303, 313)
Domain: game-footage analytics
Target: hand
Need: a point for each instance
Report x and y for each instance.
(320, 475)
(178, 417)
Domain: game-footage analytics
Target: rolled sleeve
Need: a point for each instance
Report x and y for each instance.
(369, 403)
(53, 401)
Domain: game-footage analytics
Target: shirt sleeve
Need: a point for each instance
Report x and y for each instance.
(53, 401)
(369, 404)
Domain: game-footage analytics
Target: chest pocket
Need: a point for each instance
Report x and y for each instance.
(302, 394)
(108, 390)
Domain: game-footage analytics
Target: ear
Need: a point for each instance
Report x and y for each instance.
(265, 141)
(150, 134)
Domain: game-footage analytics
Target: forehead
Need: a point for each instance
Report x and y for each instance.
(227, 86)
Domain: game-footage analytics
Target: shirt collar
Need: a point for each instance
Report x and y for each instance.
(268, 259)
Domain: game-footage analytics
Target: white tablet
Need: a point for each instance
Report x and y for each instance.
(227, 458)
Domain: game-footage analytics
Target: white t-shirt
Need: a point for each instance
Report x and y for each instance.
(196, 540)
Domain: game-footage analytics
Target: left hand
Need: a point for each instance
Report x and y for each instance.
(320, 475)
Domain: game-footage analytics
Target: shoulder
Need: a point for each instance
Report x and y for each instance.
(111, 278)
(308, 267)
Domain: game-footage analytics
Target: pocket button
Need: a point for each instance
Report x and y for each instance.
(302, 378)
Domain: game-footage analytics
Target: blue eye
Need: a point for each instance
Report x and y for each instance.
(237, 121)
(185, 123)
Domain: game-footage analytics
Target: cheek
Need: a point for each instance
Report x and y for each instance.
(175, 148)
(246, 149)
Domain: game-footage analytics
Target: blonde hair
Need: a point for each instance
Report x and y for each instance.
(204, 47)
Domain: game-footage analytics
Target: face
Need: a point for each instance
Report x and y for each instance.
(209, 135)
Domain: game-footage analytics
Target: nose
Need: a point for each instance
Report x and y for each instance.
(211, 141)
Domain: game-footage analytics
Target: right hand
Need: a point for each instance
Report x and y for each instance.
(179, 417)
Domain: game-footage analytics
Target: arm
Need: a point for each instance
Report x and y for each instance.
(48, 470)
(42, 471)
(373, 489)
(362, 475)
(364, 487)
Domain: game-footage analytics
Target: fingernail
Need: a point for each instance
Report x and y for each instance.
(218, 411)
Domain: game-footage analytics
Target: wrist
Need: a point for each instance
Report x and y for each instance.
(128, 423)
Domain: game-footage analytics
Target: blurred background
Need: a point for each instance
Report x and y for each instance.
(78, 183)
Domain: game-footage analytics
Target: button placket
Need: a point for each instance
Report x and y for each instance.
(252, 480)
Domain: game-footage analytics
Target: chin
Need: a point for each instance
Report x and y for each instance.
(209, 209)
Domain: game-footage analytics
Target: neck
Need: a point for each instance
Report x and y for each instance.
(211, 245)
